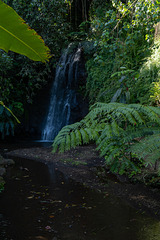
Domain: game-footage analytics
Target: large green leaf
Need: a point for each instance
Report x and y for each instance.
(2, 105)
(15, 35)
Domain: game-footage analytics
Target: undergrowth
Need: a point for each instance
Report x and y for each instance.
(120, 132)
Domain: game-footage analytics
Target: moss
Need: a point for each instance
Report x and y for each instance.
(73, 162)
(2, 183)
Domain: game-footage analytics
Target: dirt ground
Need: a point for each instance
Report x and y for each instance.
(84, 165)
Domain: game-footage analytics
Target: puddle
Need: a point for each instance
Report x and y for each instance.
(40, 203)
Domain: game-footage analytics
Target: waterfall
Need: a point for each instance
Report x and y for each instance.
(63, 94)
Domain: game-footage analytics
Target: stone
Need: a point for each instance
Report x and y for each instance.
(2, 171)
(6, 162)
(1, 180)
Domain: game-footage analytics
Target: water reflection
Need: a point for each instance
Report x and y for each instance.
(40, 203)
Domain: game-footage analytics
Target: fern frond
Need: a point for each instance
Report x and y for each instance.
(148, 148)
(136, 114)
(151, 159)
(107, 106)
(78, 137)
(119, 112)
(118, 130)
(155, 110)
(68, 142)
(126, 113)
(132, 134)
(110, 131)
(84, 135)
(92, 134)
(150, 112)
(62, 145)
(107, 148)
(110, 159)
(106, 133)
(73, 140)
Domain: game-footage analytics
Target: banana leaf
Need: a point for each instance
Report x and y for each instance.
(16, 35)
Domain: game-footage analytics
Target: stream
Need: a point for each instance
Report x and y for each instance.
(40, 203)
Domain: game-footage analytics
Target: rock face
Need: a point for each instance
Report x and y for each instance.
(4, 163)
(32, 121)
(2, 171)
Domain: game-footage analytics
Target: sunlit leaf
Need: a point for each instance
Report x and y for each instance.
(15, 35)
(30, 197)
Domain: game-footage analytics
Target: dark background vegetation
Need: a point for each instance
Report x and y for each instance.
(120, 41)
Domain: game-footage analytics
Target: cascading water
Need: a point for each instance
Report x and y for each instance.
(63, 94)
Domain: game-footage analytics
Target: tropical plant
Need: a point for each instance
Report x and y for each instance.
(18, 37)
(155, 93)
(9, 110)
(149, 150)
(114, 127)
(123, 34)
(49, 18)
(20, 77)
(147, 82)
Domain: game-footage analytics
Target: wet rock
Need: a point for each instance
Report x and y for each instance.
(6, 162)
(2, 171)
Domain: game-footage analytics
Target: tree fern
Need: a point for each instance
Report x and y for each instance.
(68, 142)
(78, 137)
(133, 113)
(148, 148)
(152, 113)
(73, 140)
(85, 137)
(62, 145)
(93, 134)
(115, 128)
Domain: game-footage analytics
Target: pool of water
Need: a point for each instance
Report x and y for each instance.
(40, 203)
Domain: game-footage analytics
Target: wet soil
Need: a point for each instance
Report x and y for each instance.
(84, 165)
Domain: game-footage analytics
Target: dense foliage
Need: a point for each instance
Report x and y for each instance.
(20, 77)
(17, 37)
(121, 45)
(122, 66)
(123, 34)
(115, 127)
